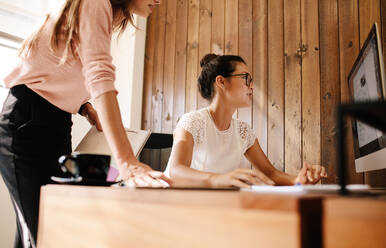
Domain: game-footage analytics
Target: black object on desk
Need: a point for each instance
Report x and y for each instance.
(156, 150)
(372, 113)
(159, 141)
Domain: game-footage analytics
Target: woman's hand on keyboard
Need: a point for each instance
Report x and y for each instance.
(241, 177)
(310, 174)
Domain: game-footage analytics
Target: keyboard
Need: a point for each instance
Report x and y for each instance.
(317, 188)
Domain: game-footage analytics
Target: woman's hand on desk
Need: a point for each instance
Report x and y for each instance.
(135, 173)
(242, 178)
(310, 174)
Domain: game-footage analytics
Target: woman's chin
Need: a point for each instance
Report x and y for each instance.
(244, 105)
(248, 103)
(144, 13)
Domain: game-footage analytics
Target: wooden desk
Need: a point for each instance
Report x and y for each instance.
(78, 216)
(354, 222)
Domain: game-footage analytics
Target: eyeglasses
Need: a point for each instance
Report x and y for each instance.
(246, 76)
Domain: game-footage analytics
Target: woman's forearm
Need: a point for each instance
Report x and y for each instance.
(110, 118)
(183, 175)
(281, 178)
(259, 160)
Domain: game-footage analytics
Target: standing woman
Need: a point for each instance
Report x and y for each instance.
(64, 64)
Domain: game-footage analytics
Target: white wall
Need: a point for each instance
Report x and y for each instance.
(128, 53)
(19, 17)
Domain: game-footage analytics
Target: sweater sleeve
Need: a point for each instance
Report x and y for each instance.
(95, 32)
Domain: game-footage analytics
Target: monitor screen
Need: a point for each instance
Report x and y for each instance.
(366, 82)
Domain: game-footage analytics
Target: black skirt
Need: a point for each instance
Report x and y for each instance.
(33, 135)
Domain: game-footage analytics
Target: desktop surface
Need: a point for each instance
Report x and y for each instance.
(174, 218)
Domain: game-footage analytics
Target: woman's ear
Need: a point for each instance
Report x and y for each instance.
(220, 82)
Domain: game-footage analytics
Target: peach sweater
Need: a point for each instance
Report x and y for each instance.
(70, 85)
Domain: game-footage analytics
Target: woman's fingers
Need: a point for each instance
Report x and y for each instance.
(309, 176)
(317, 170)
(152, 182)
(141, 175)
(257, 176)
(98, 125)
(144, 181)
(262, 177)
(92, 117)
(141, 181)
(238, 183)
(129, 183)
(152, 179)
(247, 178)
(161, 177)
(323, 173)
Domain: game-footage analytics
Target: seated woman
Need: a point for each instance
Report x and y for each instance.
(212, 149)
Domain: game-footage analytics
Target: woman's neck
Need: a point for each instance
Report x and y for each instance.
(221, 114)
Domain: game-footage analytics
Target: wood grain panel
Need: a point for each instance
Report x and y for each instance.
(218, 26)
(310, 82)
(147, 82)
(148, 73)
(158, 73)
(349, 49)
(293, 87)
(329, 81)
(231, 26)
(383, 24)
(192, 56)
(204, 41)
(169, 66)
(180, 65)
(369, 13)
(260, 72)
(231, 30)
(276, 84)
(346, 226)
(245, 48)
(262, 32)
(168, 80)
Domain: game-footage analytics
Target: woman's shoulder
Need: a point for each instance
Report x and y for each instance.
(243, 129)
(94, 7)
(196, 115)
(194, 122)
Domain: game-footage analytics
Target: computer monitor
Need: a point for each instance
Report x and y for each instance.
(367, 83)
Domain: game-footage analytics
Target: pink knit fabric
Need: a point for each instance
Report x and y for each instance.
(70, 85)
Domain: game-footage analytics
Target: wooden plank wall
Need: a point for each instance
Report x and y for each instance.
(300, 53)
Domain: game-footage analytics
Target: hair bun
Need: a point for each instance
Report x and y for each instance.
(207, 58)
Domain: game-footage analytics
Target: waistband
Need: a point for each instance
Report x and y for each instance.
(43, 108)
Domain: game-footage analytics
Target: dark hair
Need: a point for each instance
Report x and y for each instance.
(213, 65)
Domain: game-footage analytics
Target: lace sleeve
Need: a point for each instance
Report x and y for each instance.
(194, 124)
(246, 134)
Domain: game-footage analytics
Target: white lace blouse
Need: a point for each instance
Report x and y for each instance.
(214, 150)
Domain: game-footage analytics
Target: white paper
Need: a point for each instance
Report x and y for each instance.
(317, 188)
(95, 142)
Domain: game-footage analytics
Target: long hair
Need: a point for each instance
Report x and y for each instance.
(67, 27)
